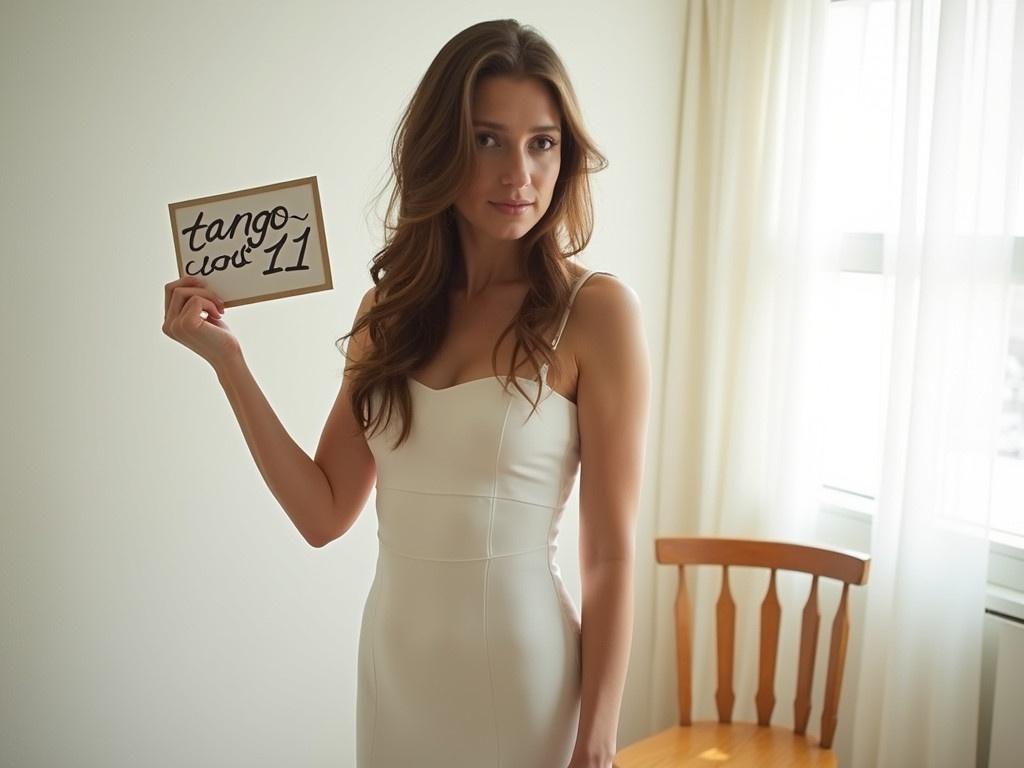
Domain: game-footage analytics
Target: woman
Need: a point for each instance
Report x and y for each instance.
(471, 651)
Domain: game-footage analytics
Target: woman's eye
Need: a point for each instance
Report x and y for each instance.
(551, 143)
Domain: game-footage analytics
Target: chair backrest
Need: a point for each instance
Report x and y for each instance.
(843, 565)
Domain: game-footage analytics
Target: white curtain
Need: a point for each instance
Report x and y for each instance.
(766, 158)
(955, 173)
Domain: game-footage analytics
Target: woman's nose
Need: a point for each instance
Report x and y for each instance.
(518, 172)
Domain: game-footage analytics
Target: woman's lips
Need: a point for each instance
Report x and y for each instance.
(511, 210)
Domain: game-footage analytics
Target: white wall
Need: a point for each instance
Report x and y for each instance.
(159, 607)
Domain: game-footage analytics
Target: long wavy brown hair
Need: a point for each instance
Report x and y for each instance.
(432, 157)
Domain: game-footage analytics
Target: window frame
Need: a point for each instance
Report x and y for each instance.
(863, 252)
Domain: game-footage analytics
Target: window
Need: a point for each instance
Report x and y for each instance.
(859, 126)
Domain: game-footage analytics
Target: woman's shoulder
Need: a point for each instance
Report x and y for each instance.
(600, 282)
(601, 297)
(608, 326)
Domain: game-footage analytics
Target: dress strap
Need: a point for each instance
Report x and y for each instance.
(565, 315)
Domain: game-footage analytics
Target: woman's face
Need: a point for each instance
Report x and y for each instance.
(517, 141)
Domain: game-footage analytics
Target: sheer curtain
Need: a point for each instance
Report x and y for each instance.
(754, 264)
(767, 159)
(954, 160)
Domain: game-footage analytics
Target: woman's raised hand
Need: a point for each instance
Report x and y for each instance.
(185, 300)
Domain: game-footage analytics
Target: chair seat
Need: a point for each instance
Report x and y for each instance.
(734, 744)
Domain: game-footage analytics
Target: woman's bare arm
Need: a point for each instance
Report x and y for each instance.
(343, 453)
(322, 497)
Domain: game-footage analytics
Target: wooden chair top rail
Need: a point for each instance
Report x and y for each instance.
(845, 565)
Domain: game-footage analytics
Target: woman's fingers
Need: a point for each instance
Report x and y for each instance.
(189, 317)
(178, 292)
(168, 287)
(180, 282)
(192, 316)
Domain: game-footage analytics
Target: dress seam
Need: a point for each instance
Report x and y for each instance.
(467, 495)
(395, 552)
(487, 571)
(373, 665)
(566, 624)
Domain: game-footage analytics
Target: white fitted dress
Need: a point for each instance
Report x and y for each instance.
(469, 649)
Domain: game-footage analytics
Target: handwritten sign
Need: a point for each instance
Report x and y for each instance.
(256, 244)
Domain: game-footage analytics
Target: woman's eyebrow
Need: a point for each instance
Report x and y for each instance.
(500, 127)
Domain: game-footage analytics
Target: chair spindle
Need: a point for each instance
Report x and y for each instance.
(771, 613)
(808, 649)
(725, 611)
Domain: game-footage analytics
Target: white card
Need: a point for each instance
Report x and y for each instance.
(255, 244)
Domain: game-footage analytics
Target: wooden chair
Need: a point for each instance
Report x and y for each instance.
(760, 744)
